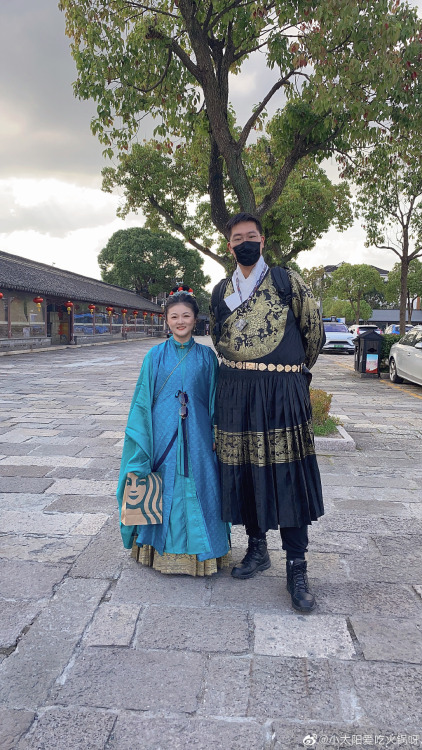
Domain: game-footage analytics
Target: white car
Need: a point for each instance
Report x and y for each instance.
(364, 328)
(338, 338)
(405, 358)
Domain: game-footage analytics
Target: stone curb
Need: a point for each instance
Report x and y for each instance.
(335, 444)
(79, 346)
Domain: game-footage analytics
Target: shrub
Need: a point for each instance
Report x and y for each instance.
(387, 342)
(320, 402)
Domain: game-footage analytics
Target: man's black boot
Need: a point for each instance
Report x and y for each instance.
(256, 558)
(298, 586)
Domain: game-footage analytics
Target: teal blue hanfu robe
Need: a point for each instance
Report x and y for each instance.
(191, 504)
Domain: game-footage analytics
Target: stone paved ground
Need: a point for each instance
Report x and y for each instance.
(97, 652)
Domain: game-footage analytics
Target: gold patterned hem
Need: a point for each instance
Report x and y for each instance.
(265, 448)
(173, 564)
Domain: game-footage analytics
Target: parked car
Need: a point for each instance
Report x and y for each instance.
(395, 328)
(405, 358)
(363, 327)
(338, 338)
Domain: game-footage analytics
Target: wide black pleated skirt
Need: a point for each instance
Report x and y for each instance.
(265, 447)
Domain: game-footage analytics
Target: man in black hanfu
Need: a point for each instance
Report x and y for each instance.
(267, 329)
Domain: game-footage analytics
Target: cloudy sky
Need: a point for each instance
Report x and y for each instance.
(52, 208)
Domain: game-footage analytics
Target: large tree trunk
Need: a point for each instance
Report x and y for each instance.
(403, 281)
(409, 308)
(357, 310)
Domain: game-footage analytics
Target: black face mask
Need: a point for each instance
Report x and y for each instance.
(247, 253)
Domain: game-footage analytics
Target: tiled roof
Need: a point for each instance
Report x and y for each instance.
(393, 316)
(30, 276)
(331, 269)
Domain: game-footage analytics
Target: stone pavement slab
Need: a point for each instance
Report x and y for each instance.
(81, 487)
(301, 636)
(33, 460)
(226, 685)
(183, 734)
(37, 522)
(28, 674)
(390, 693)
(206, 630)
(14, 617)
(42, 549)
(21, 579)
(389, 639)
(302, 689)
(81, 504)
(13, 724)
(59, 728)
(144, 586)
(25, 501)
(252, 594)
(137, 680)
(25, 471)
(363, 598)
(24, 484)
(112, 625)
(104, 556)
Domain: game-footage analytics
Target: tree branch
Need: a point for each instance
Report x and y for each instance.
(179, 228)
(235, 4)
(219, 213)
(416, 254)
(156, 11)
(160, 80)
(299, 150)
(154, 33)
(248, 127)
(387, 247)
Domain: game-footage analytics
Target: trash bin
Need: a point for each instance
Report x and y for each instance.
(367, 354)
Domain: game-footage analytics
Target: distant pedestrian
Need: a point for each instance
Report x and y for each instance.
(267, 329)
(170, 432)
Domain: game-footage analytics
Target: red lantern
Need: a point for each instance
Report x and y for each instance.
(110, 310)
(135, 313)
(69, 306)
(124, 311)
(91, 309)
(38, 301)
(160, 315)
(144, 314)
(1, 295)
(151, 316)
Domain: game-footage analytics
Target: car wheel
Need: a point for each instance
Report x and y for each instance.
(393, 372)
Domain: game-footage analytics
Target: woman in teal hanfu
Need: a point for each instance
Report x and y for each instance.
(175, 391)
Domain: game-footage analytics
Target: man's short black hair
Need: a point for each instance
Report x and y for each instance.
(242, 217)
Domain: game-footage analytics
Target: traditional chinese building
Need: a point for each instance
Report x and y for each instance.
(42, 305)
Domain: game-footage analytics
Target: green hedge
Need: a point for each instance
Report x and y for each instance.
(387, 342)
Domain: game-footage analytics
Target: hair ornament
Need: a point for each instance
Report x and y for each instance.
(181, 290)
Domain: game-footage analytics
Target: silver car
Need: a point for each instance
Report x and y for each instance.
(406, 358)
